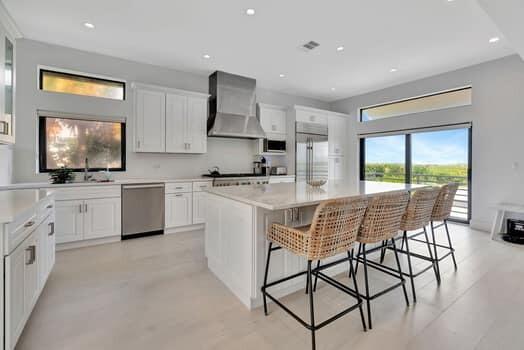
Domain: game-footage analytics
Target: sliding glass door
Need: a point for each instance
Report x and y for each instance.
(429, 157)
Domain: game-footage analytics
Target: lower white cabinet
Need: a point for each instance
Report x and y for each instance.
(199, 207)
(178, 207)
(27, 268)
(336, 169)
(78, 220)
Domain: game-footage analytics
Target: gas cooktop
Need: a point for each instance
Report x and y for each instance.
(219, 176)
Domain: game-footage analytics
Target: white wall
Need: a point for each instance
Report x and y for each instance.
(228, 154)
(497, 115)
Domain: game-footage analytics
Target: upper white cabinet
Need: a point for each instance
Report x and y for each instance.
(272, 118)
(7, 87)
(170, 120)
(337, 134)
(150, 121)
(311, 115)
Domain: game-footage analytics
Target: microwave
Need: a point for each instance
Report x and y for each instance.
(273, 146)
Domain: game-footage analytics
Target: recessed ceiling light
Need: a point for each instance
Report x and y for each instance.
(250, 12)
(89, 25)
(333, 89)
(494, 40)
(282, 75)
(393, 70)
(340, 48)
(206, 56)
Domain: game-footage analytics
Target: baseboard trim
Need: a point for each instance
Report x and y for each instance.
(195, 227)
(87, 243)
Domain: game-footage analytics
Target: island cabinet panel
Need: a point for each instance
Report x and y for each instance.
(229, 246)
(178, 207)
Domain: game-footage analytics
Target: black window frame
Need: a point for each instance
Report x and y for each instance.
(408, 160)
(83, 76)
(42, 144)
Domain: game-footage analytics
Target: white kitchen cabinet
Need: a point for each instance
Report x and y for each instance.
(310, 115)
(102, 218)
(199, 207)
(150, 121)
(337, 135)
(31, 277)
(69, 226)
(7, 87)
(178, 207)
(170, 120)
(336, 169)
(272, 118)
(15, 264)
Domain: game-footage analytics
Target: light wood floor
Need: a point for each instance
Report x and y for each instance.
(157, 293)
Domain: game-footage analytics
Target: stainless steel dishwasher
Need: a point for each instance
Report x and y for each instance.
(142, 210)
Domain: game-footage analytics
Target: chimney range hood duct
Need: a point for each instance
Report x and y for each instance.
(232, 107)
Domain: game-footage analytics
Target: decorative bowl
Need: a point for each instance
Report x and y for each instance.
(317, 182)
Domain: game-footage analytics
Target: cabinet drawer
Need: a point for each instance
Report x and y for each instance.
(45, 208)
(87, 192)
(179, 187)
(18, 230)
(201, 186)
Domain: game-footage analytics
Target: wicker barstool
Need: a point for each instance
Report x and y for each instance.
(416, 218)
(381, 224)
(333, 231)
(441, 212)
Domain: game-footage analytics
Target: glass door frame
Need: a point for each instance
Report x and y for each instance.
(408, 159)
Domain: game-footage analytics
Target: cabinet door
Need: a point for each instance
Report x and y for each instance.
(311, 117)
(176, 124)
(196, 125)
(31, 277)
(178, 209)
(199, 207)
(14, 295)
(337, 129)
(150, 121)
(51, 245)
(102, 218)
(69, 225)
(273, 120)
(336, 168)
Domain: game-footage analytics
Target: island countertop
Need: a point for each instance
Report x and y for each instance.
(291, 195)
(16, 202)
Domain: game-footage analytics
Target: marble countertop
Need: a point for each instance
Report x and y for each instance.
(16, 202)
(291, 195)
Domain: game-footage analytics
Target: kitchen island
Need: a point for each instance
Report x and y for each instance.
(237, 219)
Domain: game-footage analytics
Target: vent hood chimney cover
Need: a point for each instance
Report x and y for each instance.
(232, 109)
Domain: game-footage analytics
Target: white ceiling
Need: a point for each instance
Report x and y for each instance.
(418, 37)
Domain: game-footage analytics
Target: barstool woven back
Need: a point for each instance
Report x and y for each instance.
(383, 216)
(333, 230)
(444, 202)
(419, 209)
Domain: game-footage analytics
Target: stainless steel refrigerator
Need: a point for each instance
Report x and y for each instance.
(311, 151)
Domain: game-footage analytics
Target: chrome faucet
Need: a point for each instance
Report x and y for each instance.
(86, 170)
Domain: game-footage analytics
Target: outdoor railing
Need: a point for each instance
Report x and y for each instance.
(461, 203)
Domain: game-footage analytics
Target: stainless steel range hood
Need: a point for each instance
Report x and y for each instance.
(232, 108)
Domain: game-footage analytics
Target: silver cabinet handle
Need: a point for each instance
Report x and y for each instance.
(29, 223)
(50, 206)
(273, 127)
(51, 228)
(4, 128)
(32, 255)
(85, 208)
(179, 188)
(80, 208)
(138, 144)
(178, 195)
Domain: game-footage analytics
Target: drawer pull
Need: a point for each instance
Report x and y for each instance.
(51, 228)
(50, 206)
(179, 188)
(178, 195)
(29, 223)
(32, 255)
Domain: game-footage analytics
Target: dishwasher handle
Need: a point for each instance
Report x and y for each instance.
(126, 187)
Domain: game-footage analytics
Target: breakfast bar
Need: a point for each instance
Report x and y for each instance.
(237, 219)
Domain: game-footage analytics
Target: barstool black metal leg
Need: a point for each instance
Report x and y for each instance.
(450, 245)
(311, 307)
(404, 239)
(316, 277)
(435, 251)
(265, 277)
(383, 251)
(355, 285)
(437, 276)
(358, 254)
(368, 302)
(400, 272)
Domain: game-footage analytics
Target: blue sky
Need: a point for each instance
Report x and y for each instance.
(441, 147)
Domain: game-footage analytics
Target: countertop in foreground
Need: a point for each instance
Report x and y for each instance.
(291, 195)
(16, 202)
